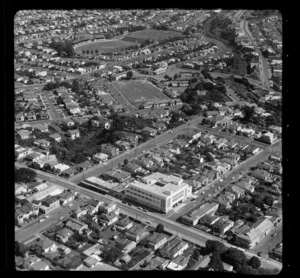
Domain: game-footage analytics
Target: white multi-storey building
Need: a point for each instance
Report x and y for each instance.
(159, 191)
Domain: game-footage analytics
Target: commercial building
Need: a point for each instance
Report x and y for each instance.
(159, 191)
(252, 236)
(193, 217)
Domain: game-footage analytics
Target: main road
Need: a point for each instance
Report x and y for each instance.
(189, 233)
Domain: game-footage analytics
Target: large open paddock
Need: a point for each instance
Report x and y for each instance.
(105, 46)
(156, 35)
(139, 91)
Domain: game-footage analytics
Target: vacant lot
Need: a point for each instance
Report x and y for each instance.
(156, 35)
(139, 91)
(105, 46)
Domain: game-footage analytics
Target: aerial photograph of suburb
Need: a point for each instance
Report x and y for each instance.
(148, 139)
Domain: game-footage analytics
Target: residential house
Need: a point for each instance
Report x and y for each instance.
(117, 175)
(83, 166)
(63, 235)
(156, 240)
(144, 162)
(108, 218)
(102, 122)
(137, 232)
(238, 191)
(132, 167)
(123, 145)
(246, 186)
(126, 245)
(39, 265)
(74, 133)
(34, 156)
(109, 150)
(150, 131)
(42, 143)
(100, 157)
(261, 175)
(80, 211)
(179, 263)
(76, 225)
(55, 136)
(68, 122)
(42, 127)
(24, 134)
(173, 248)
(124, 224)
(47, 245)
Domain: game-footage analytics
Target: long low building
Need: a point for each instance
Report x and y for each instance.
(193, 218)
(252, 236)
(159, 191)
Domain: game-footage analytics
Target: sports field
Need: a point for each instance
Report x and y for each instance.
(139, 91)
(105, 46)
(156, 35)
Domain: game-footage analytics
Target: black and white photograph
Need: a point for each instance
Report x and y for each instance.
(148, 139)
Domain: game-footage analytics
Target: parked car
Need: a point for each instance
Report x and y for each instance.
(41, 220)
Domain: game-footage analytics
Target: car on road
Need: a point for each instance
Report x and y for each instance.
(129, 204)
(148, 222)
(70, 205)
(60, 218)
(274, 235)
(233, 178)
(41, 220)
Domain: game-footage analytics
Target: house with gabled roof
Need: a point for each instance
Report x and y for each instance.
(47, 245)
(63, 235)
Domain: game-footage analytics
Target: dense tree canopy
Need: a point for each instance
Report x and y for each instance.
(24, 175)
(234, 257)
(254, 262)
(159, 228)
(215, 246)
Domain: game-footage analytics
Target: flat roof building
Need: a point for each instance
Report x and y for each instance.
(159, 191)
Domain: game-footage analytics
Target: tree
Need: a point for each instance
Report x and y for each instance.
(248, 270)
(159, 228)
(20, 249)
(254, 262)
(129, 74)
(215, 246)
(125, 161)
(234, 257)
(215, 262)
(24, 175)
(268, 200)
(175, 76)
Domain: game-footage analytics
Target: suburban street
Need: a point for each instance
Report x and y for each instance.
(264, 76)
(134, 152)
(197, 236)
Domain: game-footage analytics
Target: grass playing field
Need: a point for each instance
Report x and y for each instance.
(105, 46)
(139, 91)
(156, 35)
